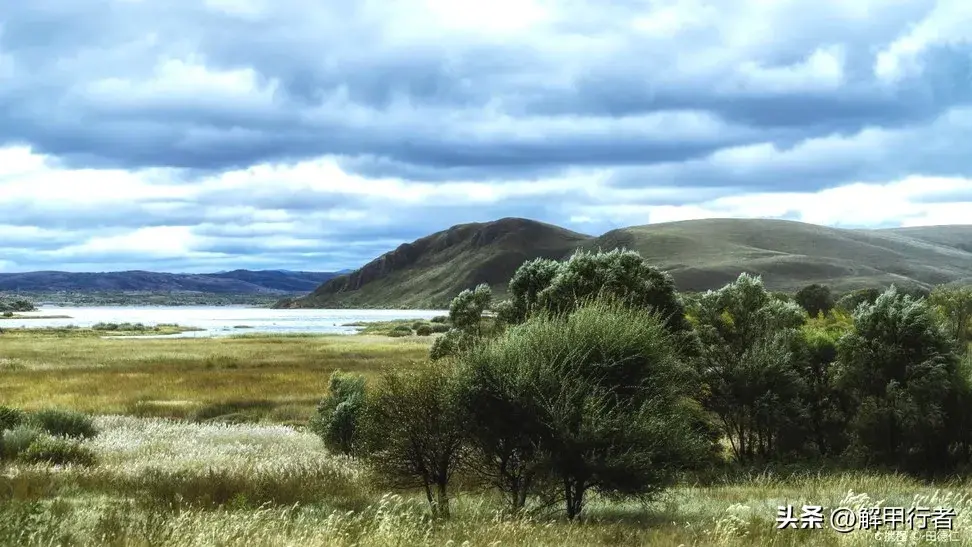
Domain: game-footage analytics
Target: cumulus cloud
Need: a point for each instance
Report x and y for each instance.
(192, 136)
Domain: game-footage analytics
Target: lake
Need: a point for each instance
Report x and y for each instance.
(219, 320)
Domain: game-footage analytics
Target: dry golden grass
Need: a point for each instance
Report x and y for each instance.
(279, 377)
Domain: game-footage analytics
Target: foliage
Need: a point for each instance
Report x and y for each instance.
(57, 451)
(850, 301)
(16, 304)
(816, 299)
(423, 330)
(954, 307)
(901, 371)
(595, 400)
(747, 365)
(620, 275)
(64, 423)
(338, 414)
(414, 430)
(16, 441)
(11, 417)
(466, 309)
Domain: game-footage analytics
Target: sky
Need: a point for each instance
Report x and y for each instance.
(207, 135)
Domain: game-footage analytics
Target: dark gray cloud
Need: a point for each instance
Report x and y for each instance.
(596, 115)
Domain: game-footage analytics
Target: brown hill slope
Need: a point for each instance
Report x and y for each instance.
(430, 271)
(700, 254)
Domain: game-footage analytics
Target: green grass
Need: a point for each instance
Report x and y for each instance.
(201, 480)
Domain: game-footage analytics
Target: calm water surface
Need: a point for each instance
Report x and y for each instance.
(219, 320)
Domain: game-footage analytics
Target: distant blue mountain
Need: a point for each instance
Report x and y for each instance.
(227, 282)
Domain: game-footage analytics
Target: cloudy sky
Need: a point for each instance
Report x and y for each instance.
(201, 135)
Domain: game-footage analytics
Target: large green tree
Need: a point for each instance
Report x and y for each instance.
(900, 369)
(749, 368)
(598, 399)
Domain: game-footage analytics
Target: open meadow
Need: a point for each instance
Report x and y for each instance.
(202, 442)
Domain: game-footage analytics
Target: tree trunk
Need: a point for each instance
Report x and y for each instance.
(574, 494)
(442, 500)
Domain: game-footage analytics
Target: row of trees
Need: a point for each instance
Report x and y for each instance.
(597, 375)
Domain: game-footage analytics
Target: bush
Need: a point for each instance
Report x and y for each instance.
(596, 400)
(417, 325)
(399, 333)
(64, 423)
(338, 414)
(57, 451)
(11, 417)
(18, 439)
(440, 319)
(439, 328)
(424, 330)
(8, 314)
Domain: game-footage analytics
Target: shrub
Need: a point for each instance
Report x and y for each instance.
(57, 451)
(439, 328)
(417, 325)
(424, 330)
(8, 313)
(64, 423)
(440, 319)
(11, 417)
(18, 439)
(815, 299)
(399, 333)
(338, 414)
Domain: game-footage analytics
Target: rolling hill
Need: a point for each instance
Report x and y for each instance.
(234, 282)
(430, 271)
(700, 255)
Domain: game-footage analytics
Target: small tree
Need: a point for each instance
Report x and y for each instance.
(815, 299)
(338, 414)
(598, 399)
(415, 431)
(954, 307)
(466, 317)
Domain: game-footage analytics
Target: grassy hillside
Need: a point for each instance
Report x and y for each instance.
(430, 271)
(700, 254)
(706, 254)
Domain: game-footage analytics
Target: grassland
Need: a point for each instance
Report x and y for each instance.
(172, 471)
(246, 377)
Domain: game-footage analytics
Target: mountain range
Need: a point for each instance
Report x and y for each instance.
(231, 282)
(699, 254)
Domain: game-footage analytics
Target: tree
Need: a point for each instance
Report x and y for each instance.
(414, 430)
(900, 369)
(748, 367)
(466, 316)
(524, 289)
(954, 306)
(849, 302)
(466, 309)
(338, 414)
(595, 400)
(815, 299)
